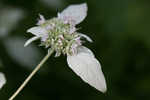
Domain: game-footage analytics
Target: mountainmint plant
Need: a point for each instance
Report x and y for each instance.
(61, 36)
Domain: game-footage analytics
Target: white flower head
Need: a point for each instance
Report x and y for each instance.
(60, 34)
(2, 80)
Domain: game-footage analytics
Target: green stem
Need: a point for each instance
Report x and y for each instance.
(31, 75)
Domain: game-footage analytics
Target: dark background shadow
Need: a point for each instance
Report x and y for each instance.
(120, 30)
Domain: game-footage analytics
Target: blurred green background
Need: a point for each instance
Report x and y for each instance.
(120, 30)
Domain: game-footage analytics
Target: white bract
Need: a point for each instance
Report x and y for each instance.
(60, 34)
(2, 80)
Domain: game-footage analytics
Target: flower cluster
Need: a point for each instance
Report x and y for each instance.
(60, 34)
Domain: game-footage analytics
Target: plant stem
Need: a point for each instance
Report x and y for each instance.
(32, 74)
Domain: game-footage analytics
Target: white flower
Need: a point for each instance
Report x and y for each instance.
(72, 15)
(2, 80)
(60, 33)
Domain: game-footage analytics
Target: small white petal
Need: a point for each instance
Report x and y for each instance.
(42, 17)
(38, 31)
(57, 54)
(2, 80)
(31, 40)
(86, 37)
(75, 13)
(41, 20)
(88, 68)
